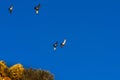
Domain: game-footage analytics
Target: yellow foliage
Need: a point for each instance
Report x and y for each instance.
(6, 78)
(3, 69)
(1, 78)
(16, 71)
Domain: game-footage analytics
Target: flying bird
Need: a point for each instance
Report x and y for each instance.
(10, 8)
(55, 45)
(37, 8)
(63, 43)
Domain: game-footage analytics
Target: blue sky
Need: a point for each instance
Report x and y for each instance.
(92, 30)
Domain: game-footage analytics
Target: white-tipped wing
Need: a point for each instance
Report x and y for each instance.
(63, 43)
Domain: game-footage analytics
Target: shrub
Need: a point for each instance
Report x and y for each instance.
(16, 71)
(6, 78)
(33, 74)
(1, 78)
(3, 69)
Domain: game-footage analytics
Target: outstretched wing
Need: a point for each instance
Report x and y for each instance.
(38, 6)
(63, 43)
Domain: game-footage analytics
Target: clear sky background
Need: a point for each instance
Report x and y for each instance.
(91, 27)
